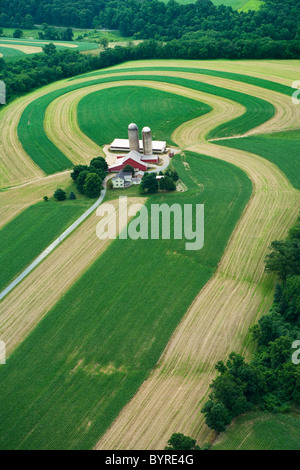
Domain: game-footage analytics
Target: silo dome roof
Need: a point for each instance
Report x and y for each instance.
(146, 129)
(132, 126)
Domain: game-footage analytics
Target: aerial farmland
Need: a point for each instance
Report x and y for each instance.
(121, 342)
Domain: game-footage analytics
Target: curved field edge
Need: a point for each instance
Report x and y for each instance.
(101, 113)
(84, 148)
(104, 343)
(260, 82)
(261, 431)
(281, 148)
(31, 232)
(11, 171)
(217, 321)
(39, 147)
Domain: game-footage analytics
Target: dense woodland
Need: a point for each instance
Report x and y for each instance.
(153, 19)
(38, 70)
(270, 381)
(192, 31)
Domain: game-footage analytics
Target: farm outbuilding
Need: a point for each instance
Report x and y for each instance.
(122, 145)
(133, 159)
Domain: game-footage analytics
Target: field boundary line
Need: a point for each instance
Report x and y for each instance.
(52, 246)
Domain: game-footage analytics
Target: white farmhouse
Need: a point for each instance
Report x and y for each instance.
(122, 180)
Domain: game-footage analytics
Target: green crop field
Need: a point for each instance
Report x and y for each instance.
(281, 148)
(241, 5)
(9, 53)
(104, 115)
(261, 82)
(35, 142)
(88, 356)
(261, 431)
(27, 235)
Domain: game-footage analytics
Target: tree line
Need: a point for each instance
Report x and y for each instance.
(154, 19)
(271, 380)
(24, 75)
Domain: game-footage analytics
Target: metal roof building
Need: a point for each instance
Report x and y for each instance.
(123, 145)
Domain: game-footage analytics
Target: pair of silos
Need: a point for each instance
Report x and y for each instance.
(134, 142)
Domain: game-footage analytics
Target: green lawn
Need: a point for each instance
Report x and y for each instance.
(71, 377)
(261, 431)
(27, 235)
(282, 148)
(105, 114)
(35, 142)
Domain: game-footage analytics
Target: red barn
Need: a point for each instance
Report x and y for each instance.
(133, 159)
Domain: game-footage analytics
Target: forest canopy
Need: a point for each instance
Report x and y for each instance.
(153, 19)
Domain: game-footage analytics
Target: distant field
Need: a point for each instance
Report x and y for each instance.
(28, 234)
(281, 148)
(261, 431)
(12, 48)
(241, 5)
(104, 342)
(8, 53)
(104, 115)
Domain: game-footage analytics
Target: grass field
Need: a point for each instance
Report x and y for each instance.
(28, 234)
(8, 53)
(261, 431)
(281, 148)
(105, 343)
(241, 5)
(38, 146)
(131, 329)
(12, 48)
(104, 115)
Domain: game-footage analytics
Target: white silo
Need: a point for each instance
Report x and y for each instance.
(147, 140)
(133, 136)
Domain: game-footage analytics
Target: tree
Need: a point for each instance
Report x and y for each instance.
(28, 22)
(104, 42)
(80, 180)
(216, 415)
(100, 163)
(179, 441)
(46, 198)
(92, 185)
(60, 194)
(149, 183)
(77, 170)
(72, 195)
(167, 184)
(284, 258)
(49, 49)
(128, 169)
(18, 33)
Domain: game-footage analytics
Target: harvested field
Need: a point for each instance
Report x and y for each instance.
(217, 317)
(49, 282)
